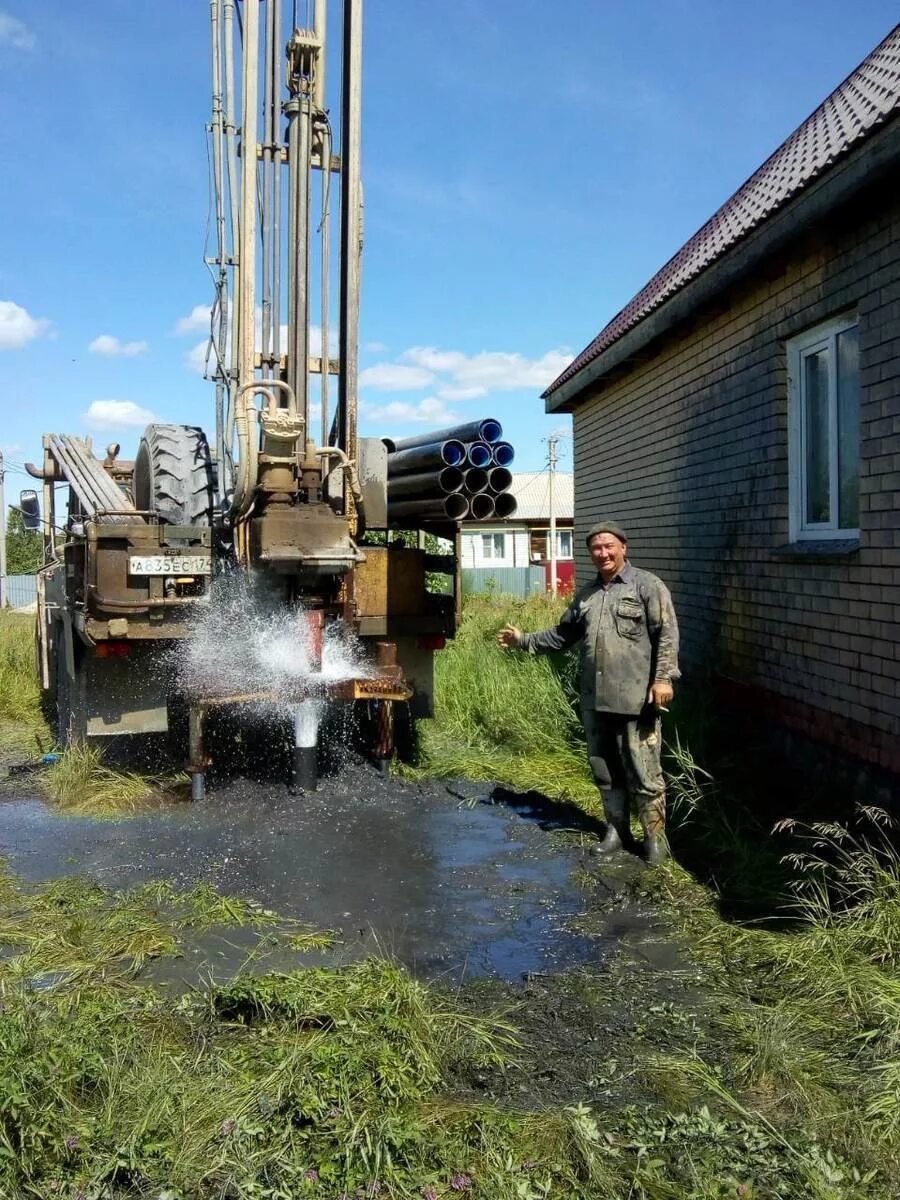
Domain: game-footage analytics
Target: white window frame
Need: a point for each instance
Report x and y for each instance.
(821, 337)
(492, 538)
(561, 534)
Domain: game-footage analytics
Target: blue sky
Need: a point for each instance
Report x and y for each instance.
(527, 168)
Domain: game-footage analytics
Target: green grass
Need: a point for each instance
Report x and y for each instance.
(21, 723)
(81, 783)
(504, 715)
(324, 1082)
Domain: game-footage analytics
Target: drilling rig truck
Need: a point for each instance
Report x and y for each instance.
(295, 500)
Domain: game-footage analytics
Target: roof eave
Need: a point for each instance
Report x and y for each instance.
(862, 165)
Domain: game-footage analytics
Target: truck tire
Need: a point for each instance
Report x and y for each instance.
(174, 475)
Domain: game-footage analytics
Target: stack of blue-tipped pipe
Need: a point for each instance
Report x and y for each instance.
(450, 475)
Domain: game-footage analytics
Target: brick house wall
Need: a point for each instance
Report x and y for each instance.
(688, 448)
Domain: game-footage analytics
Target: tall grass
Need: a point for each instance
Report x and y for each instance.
(82, 783)
(505, 715)
(21, 723)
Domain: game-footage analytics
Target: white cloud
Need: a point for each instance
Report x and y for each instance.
(395, 377)
(454, 393)
(375, 347)
(434, 360)
(196, 357)
(493, 370)
(112, 347)
(196, 320)
(116, 414)
(15, 33)
(430, 411)
(18, 327)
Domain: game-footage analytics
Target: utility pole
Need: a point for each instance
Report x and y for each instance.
(552, 441)
(2, 536)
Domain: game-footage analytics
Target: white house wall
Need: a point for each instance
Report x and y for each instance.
(516, 545)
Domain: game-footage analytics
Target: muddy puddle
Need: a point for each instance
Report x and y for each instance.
(458, 881)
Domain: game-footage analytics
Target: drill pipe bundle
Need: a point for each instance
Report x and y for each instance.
(487, 430)
(437, 454)
(451, 474)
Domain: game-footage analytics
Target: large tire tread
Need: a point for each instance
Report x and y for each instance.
(174, 474)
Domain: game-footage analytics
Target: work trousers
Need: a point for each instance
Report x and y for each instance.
(624, 754)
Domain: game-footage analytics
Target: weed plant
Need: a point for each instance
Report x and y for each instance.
(82, 783)
(505, 715)
(21, 723)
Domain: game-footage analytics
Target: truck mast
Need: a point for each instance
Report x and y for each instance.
(289, 492)
(303, 514)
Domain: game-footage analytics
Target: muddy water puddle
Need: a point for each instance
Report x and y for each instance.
(451, 882)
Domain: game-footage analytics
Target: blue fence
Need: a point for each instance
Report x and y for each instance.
(505, 581)
(21, 590)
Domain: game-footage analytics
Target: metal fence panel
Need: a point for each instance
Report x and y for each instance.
(21, 590)
(503, 581)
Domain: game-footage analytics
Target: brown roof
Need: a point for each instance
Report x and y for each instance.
(864, 100)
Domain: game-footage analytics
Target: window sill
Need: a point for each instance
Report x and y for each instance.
(838, 550)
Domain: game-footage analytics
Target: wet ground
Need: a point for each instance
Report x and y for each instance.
(457, 880)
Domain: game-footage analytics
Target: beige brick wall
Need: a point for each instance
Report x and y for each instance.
(688, 450)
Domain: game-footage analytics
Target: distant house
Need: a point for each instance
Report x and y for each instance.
(514, 555)
(741, 417)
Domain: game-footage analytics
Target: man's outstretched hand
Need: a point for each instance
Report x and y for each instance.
(509, 637)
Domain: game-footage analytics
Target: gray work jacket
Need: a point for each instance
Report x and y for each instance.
(629, 639)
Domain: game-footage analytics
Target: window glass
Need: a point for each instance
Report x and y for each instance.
(815, 396)
(564, 544)
(493, 545)
(848, 427)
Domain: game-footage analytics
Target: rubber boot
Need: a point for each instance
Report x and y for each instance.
(615, 806)
(652, 811)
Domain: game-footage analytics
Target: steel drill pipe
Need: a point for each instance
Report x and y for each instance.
(499, 479)
(479, 454)
(427, 484)
(481, 507)
(451, 508)
(502, 454)
(450, 453)
(504, 505)
(476, 480)
(488, 430)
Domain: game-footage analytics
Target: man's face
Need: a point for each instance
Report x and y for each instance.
(608, 554)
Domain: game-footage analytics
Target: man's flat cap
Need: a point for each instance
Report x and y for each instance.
(606, 527)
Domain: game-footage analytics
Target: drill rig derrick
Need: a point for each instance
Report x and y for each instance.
(279, 494)
(289, 523)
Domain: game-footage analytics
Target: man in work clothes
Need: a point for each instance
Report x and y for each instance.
(626, 623)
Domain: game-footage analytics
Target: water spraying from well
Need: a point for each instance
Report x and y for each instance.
(245, 642)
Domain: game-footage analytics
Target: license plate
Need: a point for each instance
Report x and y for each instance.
(170, 564)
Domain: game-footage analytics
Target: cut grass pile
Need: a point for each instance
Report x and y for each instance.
(809, 1012)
